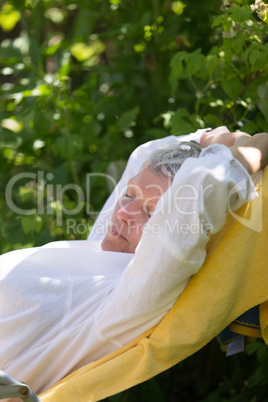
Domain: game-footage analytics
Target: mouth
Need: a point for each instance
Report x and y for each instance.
(115, 234)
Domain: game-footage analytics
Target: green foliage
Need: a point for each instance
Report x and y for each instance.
(226, 82)
(85, 82)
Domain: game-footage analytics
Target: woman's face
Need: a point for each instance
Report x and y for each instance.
(133, 210)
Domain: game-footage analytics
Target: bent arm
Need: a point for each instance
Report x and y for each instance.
(251, 151)
(173, 246)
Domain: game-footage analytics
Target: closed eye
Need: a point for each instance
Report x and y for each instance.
(149, 212)
(128, 195)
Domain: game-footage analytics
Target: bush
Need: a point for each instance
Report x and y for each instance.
(85, 83)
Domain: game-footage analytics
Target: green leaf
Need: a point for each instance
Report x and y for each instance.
(10, 54)
(127, 119)
(265, 17)
(263, 91)
(263, 106)
(238, 43)
(32, 223)
(48, 51)
(263, 100)
(212, 120)
(250, 127)
(258, 57)
(9, 17)
(176, 63)
(240, 14)
(179, 123)
(218, 20)
(82, 51)
(252, 348)
(156, 133)
(67, 146)
(197, 121)
(178, 7)
(35, 51)
(56, 15)
(195, 63)
(177, 67)
(231, 86)
(262, 124)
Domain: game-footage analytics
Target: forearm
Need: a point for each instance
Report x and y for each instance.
(252, 153)
(228, 139)
(173, 245)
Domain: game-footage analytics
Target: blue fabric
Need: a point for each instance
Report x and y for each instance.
(246, 324)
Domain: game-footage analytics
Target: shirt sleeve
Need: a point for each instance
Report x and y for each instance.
(173, 245)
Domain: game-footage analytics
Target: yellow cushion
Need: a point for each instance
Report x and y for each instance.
(233, 279)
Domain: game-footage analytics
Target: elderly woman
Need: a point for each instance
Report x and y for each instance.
(68, 303)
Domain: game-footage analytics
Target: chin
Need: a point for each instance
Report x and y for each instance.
(108, 245)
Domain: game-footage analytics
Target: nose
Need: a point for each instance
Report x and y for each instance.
(128, 210)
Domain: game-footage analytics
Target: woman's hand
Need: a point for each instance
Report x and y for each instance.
(253, 152)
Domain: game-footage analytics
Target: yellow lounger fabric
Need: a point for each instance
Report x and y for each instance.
(233, 279)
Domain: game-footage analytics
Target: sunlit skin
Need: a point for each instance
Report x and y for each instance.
(133, 210)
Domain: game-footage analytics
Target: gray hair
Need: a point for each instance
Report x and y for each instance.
(167, 161)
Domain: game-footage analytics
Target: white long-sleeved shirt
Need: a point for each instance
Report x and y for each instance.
(67, 303)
